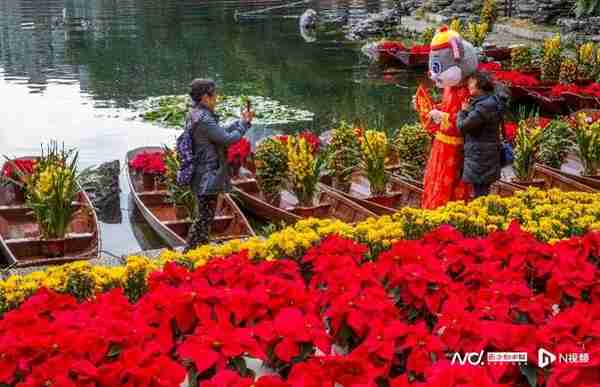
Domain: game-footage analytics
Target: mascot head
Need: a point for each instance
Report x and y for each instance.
(451, 58)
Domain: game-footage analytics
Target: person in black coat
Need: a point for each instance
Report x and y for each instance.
(479, 122)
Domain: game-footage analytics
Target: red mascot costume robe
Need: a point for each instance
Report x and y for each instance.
(451, 60)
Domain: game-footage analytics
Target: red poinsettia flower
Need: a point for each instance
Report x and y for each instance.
(215, 343)
(516, 78)
(290, 329)
(149, 162)
(14, 168)
(491, 67)
(237, 153)
(592, 89)
(561, 88)
(425, 348)
(509, 131)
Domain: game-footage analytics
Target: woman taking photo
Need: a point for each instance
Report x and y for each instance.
(209, 143)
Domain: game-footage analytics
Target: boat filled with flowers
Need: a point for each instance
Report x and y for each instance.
(282, 183)
(169, 208)
(45, 216)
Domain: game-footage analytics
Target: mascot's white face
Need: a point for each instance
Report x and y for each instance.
(452, 61)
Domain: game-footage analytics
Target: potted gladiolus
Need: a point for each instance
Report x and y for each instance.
(527, 146)
(304, 168)
(51, 190)
(587, 137)
(181, 197)
(374, 152)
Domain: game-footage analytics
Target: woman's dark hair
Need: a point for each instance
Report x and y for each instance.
(484, 81)
(200, 87)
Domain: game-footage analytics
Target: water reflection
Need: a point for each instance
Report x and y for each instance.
(69, 69)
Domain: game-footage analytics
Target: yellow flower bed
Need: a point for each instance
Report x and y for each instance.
(549, 215)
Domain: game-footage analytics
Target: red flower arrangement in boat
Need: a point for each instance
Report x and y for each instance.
(509, 131)
(516, 78)
(592, 89)
(504, 292)
(560, 88)
(491, 67)
(15, 168)
(238, 153)
(152, 163)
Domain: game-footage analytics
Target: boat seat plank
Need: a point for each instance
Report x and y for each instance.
(69, 237)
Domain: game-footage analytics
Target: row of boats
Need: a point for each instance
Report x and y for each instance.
(21, 244)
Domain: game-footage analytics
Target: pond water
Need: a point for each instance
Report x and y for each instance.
(70, 70)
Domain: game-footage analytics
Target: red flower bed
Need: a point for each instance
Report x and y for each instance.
(149, 162)
(592, 89)
(238, 152)
(400, 316)
(490, 67)
(561, 88)
(516, 78)
(22, 166)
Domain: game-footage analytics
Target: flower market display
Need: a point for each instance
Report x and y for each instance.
(587, 138)
(527, 146)
(388, 302)
(171, 110)
(551, 77)
(179, 196)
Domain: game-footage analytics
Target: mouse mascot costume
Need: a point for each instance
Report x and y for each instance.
(451, 61)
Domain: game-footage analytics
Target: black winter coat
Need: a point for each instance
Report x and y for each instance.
(480, 127)
(210, 142)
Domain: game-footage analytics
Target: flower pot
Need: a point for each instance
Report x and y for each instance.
(181, 212)
(149, 182)
(235, 170)
(343, 186)
(19, 193)
(249, 164)
(53, 248)
(315, 211)
(272, 199)
(384, 200)
(538, 183)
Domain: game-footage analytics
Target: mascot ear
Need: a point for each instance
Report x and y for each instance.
(455, 48)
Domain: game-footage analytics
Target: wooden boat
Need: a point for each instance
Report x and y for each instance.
(329, 204)
(591, 181)
(556, 179)
(549, 178)
(21, 243)
(577, 102)
(172, 224)
(403, 193)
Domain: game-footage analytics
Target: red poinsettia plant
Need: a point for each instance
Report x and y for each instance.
(149, 162)
(238, 153)
(338, 315)
(17, 170)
